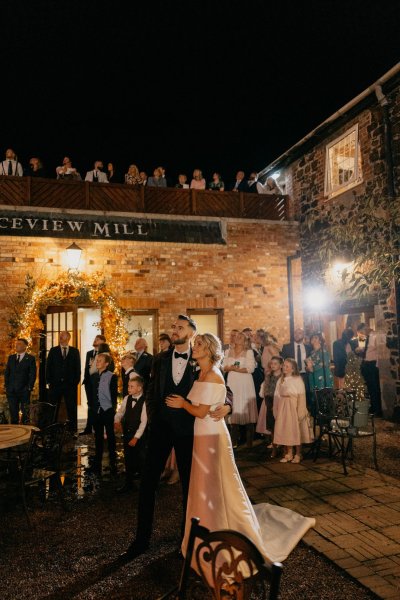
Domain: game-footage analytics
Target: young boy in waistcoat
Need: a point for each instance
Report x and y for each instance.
(105, 392)
(131, 419)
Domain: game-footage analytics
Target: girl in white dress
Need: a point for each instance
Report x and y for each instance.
(290, 412)
(216, 492)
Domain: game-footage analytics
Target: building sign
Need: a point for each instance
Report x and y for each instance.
(62, 225)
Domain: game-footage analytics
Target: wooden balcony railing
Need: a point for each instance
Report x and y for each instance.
(52, 193)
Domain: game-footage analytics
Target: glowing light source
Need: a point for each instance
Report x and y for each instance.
(316, 298)
(74, 256)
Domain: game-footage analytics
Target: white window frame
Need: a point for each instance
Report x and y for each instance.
(334, 188)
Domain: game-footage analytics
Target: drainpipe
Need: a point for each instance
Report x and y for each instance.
(384, 103)
(290, 292)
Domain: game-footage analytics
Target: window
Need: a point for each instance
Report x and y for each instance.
(343, 163)
(208, 320)
(142, 323)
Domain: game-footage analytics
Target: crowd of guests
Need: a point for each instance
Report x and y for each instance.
(11, 166)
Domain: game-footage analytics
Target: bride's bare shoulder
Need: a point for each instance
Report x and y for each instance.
(214, 376)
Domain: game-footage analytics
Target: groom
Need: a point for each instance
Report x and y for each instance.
(169, 428)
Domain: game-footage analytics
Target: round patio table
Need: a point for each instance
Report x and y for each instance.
(15, 435)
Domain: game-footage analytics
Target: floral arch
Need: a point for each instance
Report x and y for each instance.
(71, 288)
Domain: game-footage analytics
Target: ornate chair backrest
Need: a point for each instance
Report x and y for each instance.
(229, 564)
(42, 414)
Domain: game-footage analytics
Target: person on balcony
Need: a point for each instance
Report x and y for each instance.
(97, 175)
(132, 177)
(67, 171)
(216, 185)
(11, 166)
(240, 184)
(269, 187)
(182, 182)
(157, 180)
(36, 168)
(252, 183)
(198, 182)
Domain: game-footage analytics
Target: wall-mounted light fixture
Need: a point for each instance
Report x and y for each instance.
(73, 256)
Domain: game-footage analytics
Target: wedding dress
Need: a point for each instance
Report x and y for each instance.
(216, 492)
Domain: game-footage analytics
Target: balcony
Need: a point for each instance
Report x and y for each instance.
(52, 193)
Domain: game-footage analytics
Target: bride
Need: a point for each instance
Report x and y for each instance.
(216, 492)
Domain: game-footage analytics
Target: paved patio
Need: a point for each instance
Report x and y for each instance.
(358, 515)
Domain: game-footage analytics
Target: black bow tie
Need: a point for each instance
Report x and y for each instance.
(178, 355)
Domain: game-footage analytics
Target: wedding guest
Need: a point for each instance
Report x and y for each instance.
(252, 183)
(266, 419)
(270, 187)
(36, 168)
(182, 182)
(11, 166)
(299, 349)
(67, 171)
(341, 348)
(132, 177)
(63, 373)
(239, 364)
(143, 177)
(157, 180)
(131, 419)
(144, 360)
(216, 185)
(96, 175)
(240, 184)
(292, 423)
(104, 348)
(318, 364)
(105, 392)
(268, 346)
(19, 379)
(111, 173)
(127, 371)
(198, 182)
(90, 368)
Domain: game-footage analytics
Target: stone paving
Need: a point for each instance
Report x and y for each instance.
(358, 515)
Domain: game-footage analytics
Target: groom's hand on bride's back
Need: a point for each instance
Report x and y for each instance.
(220, 412)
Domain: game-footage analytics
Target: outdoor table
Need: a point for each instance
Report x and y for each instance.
(15, 435)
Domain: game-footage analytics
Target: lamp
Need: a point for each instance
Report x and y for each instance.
(73, 256)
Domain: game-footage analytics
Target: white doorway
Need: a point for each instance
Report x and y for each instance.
(88, 328)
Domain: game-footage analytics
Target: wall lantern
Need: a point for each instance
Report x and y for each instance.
(73, 256)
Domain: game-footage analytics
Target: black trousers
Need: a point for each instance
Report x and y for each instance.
(133, 456)
(69, 393)
(89, 396)
(104, 419)
(161, 440)
(18, 401)
(370, 373)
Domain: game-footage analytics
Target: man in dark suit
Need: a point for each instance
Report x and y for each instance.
(169, 428)
(144, 360)
(63, 374)
(240, 184)
(339, 349)
(299, 351)
(19, 379)
(90, 368)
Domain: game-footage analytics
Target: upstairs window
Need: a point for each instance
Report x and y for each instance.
(343, 163)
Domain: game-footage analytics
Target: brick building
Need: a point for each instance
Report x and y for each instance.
(226, 272)
(355, 153)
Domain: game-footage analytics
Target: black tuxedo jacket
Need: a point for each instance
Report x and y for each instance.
(143, 365)
(86, 374)
(60, 371)
(242, 187)
(288, 350)
(20, 377)
(155, 395)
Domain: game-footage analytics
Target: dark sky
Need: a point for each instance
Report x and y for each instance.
(217, 85)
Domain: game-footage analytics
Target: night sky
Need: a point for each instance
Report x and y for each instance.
(216, 85)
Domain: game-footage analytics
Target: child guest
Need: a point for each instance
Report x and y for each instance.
(131, 418)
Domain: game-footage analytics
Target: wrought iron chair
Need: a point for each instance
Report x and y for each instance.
(229, 565)
(344, 419)
(40, 465)
(42, 414)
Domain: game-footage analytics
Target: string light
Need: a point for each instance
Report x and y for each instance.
(76, 288)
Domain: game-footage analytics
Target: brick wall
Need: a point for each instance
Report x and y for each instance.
(247, 277)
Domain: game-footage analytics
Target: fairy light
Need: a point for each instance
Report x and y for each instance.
(75, 288)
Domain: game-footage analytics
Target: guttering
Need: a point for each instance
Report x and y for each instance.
(339, 113)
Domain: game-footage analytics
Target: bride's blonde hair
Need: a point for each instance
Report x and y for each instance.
(214, 347)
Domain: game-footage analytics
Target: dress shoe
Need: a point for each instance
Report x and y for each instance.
(85, 432)
(133, 551)
(127, 487)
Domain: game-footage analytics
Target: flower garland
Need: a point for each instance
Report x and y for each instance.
(74, 288)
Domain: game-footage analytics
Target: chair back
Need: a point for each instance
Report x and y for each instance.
(229, 564)
(45, 449)
(42, 414)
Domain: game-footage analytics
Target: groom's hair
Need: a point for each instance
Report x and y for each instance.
(190, 321)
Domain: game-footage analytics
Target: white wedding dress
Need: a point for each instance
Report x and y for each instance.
(216, 492)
